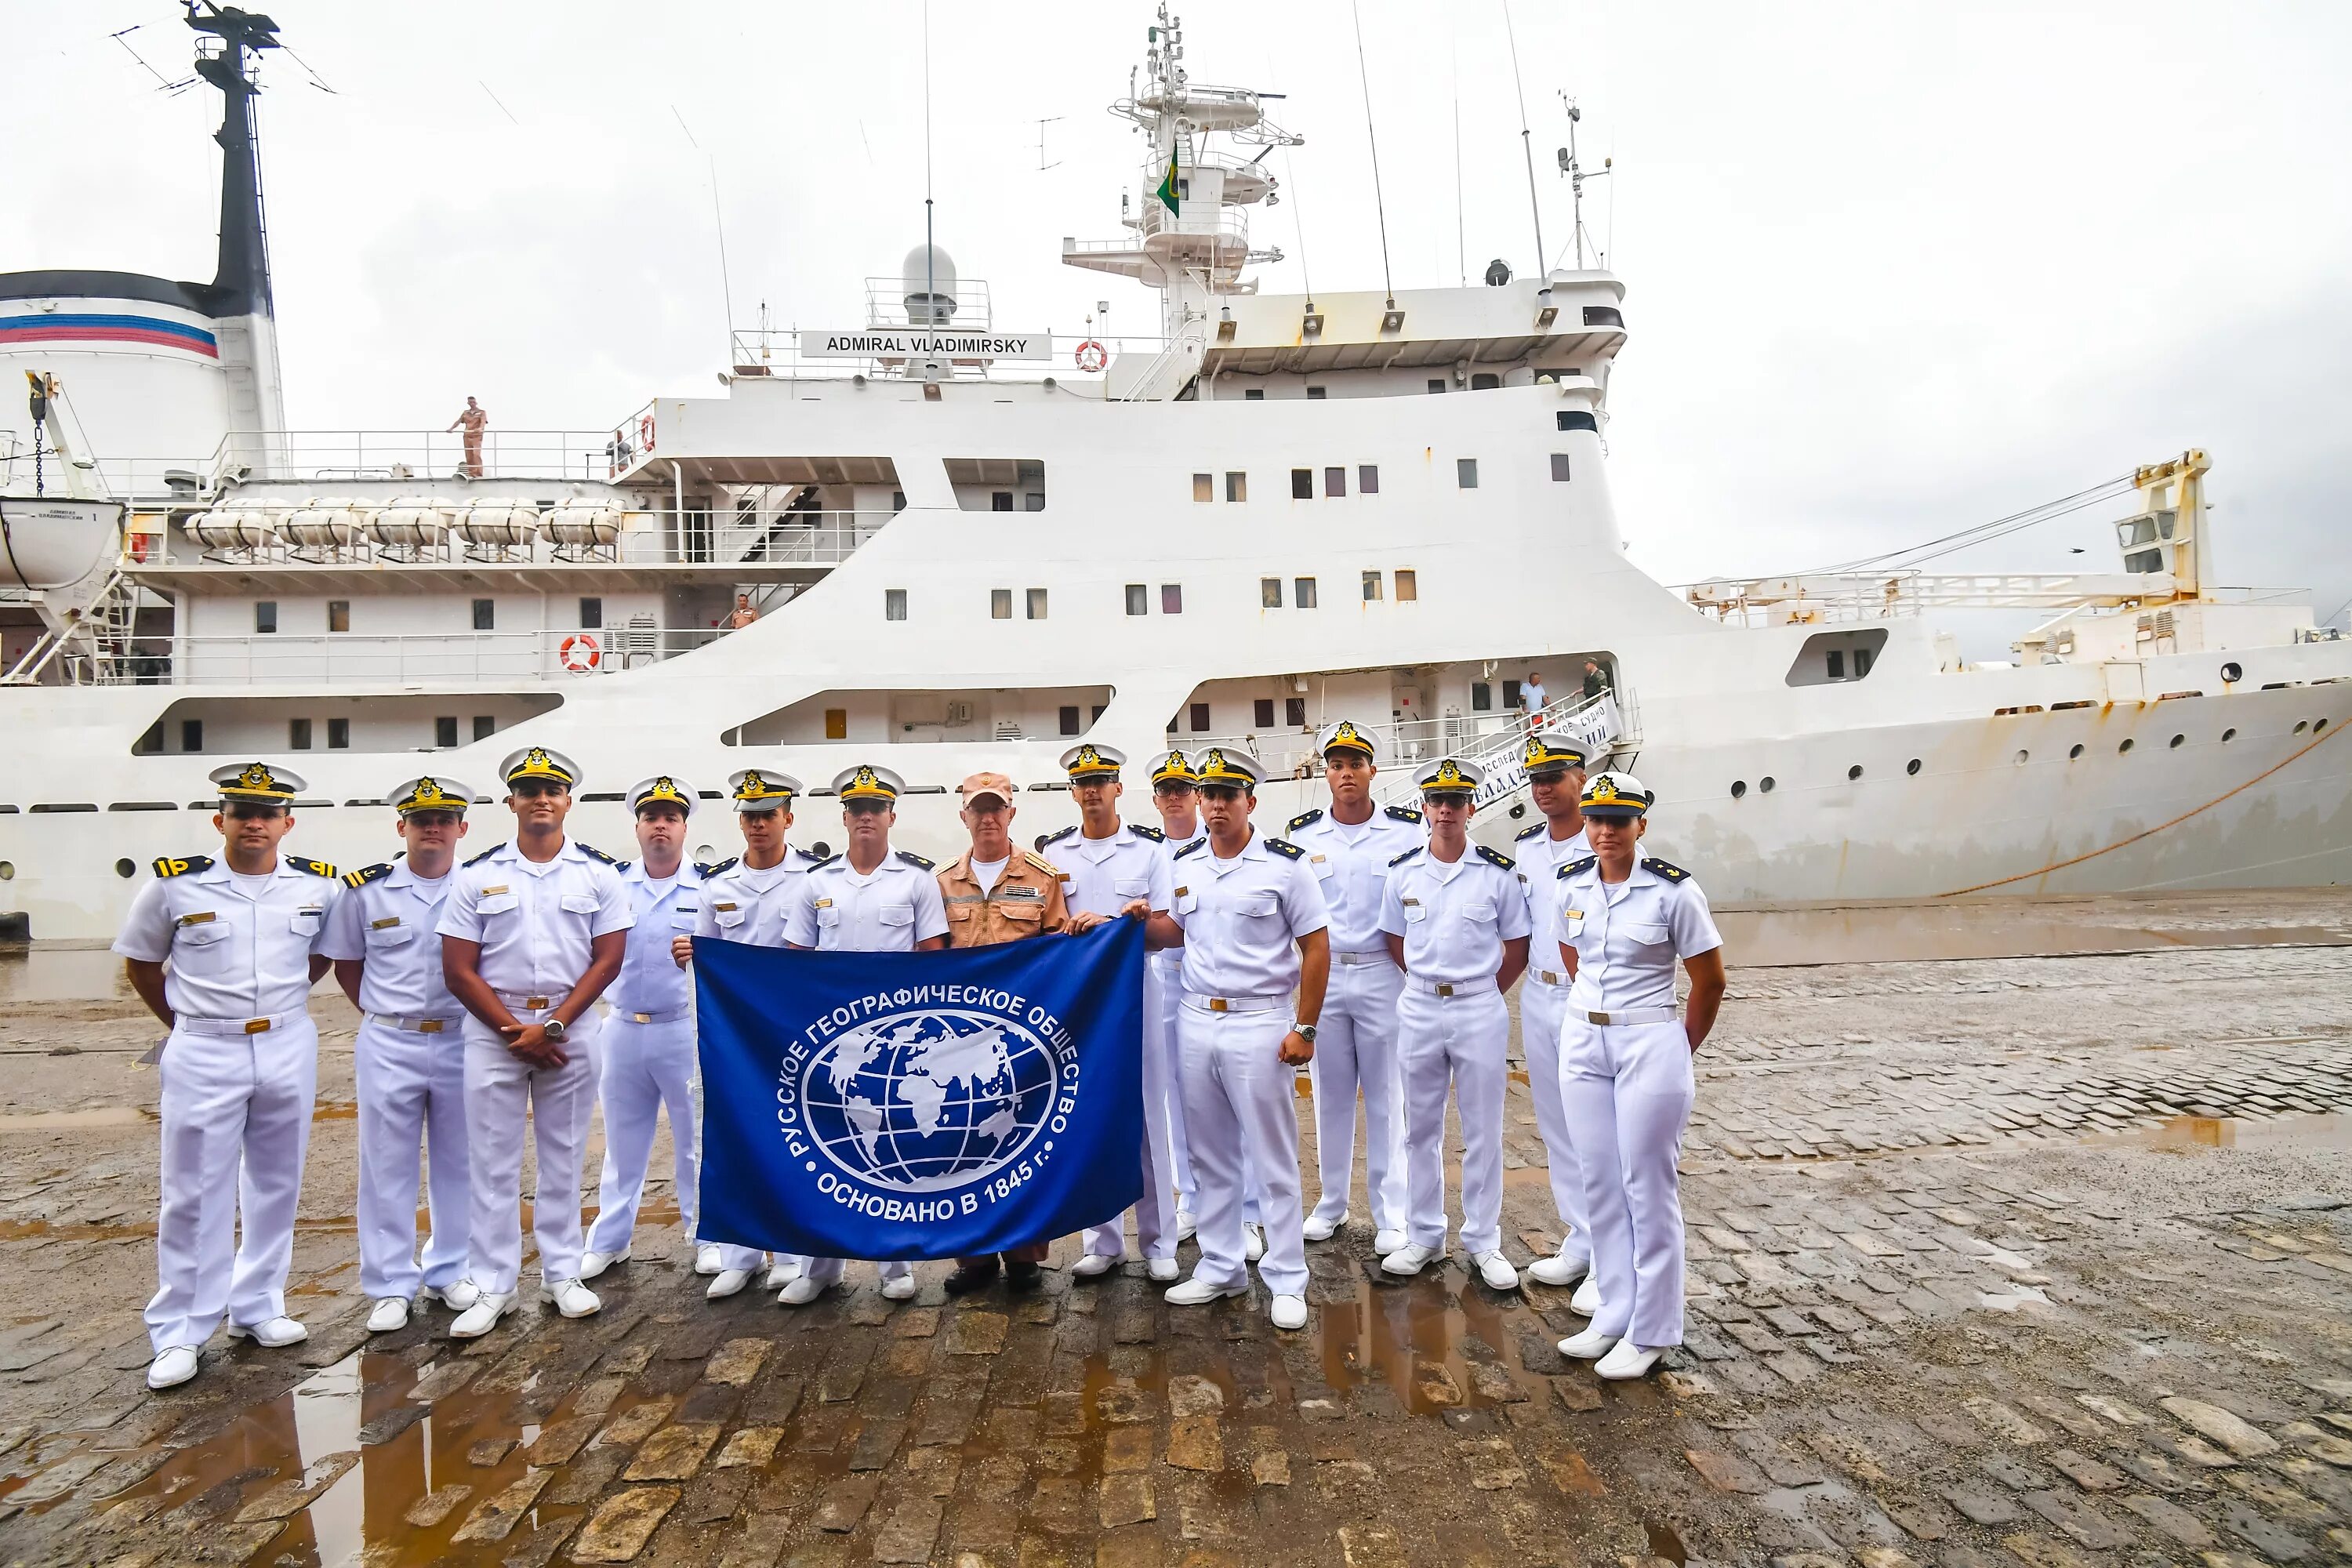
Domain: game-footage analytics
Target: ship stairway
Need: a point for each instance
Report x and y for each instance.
(1598, 721)
(91, 644)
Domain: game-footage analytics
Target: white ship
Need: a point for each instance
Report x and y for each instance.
(969, 544)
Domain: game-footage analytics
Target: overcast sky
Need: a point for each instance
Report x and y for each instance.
(1892, 270)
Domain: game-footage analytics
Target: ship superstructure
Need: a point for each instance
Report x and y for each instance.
(969, 543)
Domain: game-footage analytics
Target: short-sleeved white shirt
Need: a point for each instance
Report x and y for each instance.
(1103, 876)
(650, 979)
(739, 904)
(231, 954)
(1170, 960)
(1455, 917)
(1628, 934)
(1243, 917)
(537, 924)
(1540, 856)
(1352, 862)
(388, 924)
(889, 909)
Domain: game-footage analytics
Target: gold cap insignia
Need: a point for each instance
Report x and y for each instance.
(1544, 754)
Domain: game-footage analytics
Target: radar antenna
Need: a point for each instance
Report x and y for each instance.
(1574, 174)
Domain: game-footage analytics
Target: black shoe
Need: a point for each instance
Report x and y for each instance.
(974, 1276)
(1021, 1274)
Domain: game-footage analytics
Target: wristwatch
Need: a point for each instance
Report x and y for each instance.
(1304, 1031)
(554, 1030)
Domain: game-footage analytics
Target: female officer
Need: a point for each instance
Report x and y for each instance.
(1625, 1068)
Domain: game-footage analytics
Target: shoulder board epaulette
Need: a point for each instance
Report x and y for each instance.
(1156, 835)
(1524, 834)
(1302, 819)
(911, 858)
(366, 874)
(181, 865)
(315, 868)
(818, 862)
(1496, 857)
(1041, 863)
(478, 860)
(1666, 869)
(595, 854)
(716, 867)
(1285, 848)
(1057, 837)
(1401, 859)
(1578, 867)
(1405, 813)
(1190, 847)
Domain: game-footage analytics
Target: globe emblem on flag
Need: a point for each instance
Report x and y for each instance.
(922, 1102)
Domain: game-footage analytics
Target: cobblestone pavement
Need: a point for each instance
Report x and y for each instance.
(2042, 1262)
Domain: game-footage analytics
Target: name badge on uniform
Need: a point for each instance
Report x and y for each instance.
(494, 889)
(822, 904)
(1182, 891)
(1410, 903)
(1021, 893)
(384, 924)
(723, 908)
(1572, 914)
(199, 918)
(1318, 858)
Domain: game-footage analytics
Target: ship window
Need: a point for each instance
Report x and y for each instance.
(1314, 394)
(1335, 482)
(1197, 715)
(897, 502)
(591, 615)
(1269, 593)
(298, 735)
(1294, 712)
(1484, 381)
(1835, 656)
(1171, 598)
(1262, 712)
(894, 604)
(1236, 486)
(1139, 602)
(191, 734)
(1837, 664)
(1511, 695)
(338, 614)
(486, 615)
(1372, 587)
(1069, 717)
(1000, 604)
(1482, 697)
(1302, 484)
(1560, 468)
(1465, 473)
(1303, 593)
(1408, 584)
(1000, 500)
(1098, 709)
(444, 730)
(1367, 479)
(1033, 500)
(1204, 487)
(1603, 316)
(1436, 384)
(1255, 395)
(339, 734)
(836, 723)
(1036, 603)
(1576, 419)
(484, 726)
(265, 616)
(1860, 662)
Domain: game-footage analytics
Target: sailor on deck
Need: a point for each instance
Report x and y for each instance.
(239, 1069)
(410, 1059)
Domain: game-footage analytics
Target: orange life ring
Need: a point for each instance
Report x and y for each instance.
(1091, 357)
(580, 653)
(646, 432)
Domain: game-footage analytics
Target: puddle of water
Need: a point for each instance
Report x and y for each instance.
(1995, 927)
(2187, 1134)
(99, 1116)
(61, 975)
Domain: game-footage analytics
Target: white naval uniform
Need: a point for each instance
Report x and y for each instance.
(240, 1074)
(1103, 876)
(1626, 1085)
(646, 1058)
(410, 1064)
(1356, 1038)
(887, 910)
(1453, 1030)
(1541, 1000)
(1242, 918)
(739, 904)
(536, 924)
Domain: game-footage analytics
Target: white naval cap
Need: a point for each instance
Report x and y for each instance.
(1170, 767)
(1089, 761)
(1346, 735)
(1229, 766)
(867, 782)
(1450, 775)
(431, 792)
(259, 784)
(761, 789)
(661, 788)
(540, 763)
(1614, 794)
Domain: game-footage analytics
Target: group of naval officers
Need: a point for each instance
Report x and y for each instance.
(1371, 945)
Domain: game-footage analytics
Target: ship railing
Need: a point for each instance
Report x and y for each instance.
(337, 457)
(1844, 597)
(446, 530)
(887, 304)
(556, 656)
(1495, 739)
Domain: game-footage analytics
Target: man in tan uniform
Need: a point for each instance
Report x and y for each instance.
(995, 892)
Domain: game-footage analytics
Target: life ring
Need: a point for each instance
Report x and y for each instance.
(1091, 357)
(580, 653)
(646, 432)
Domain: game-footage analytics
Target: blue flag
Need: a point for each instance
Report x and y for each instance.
(889, 1105)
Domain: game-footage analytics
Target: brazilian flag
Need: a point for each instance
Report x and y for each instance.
(1167, 191)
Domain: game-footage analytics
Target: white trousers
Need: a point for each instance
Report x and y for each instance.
(1540, 1012)
(1355, 1050)
(500, 1087)
(1155, 1211)
(1239, 1118)
(1171, 1094)
(1456, 1043)
(640, 1069)
(235, 1116)
(412, 1092)
(825, 1270)
(1627, 1090)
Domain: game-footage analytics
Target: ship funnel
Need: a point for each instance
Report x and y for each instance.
(930, 287)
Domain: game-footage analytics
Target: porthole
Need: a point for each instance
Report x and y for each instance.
(1765, 784)
(2232, 672)
(2227, 736)
(2315, 729)
(126, 867)
(2176, 740)
(1738, 788)
(7, 870)
(2301, 725)
(2125, 747)
(1912, 766)
(1853, 772)
(2020, 758)
(2073, 751)
(821, 849)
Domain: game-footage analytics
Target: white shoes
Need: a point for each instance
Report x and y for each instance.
(782, 1269)
(1095, 1264)
(1496, 1269)
(593, 1264)
(1198, 1292)
(1562, 1268)
(1321, 1229)
(483, 1316)
(275, 1334)
(1587, 1299)
(457, 1295)
(1589, 1345)
(389, 1314)
(898, 1287)
(706, 1260)
(1186, 1223)
(572, 1299)
(171, 1367)
(800, 1290)
(727, 1282)
(1252, 1240)
(1389, 1241)
(1289, 1312)
(1626, 1360)
(1407, 1260)
(1164, 1270)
